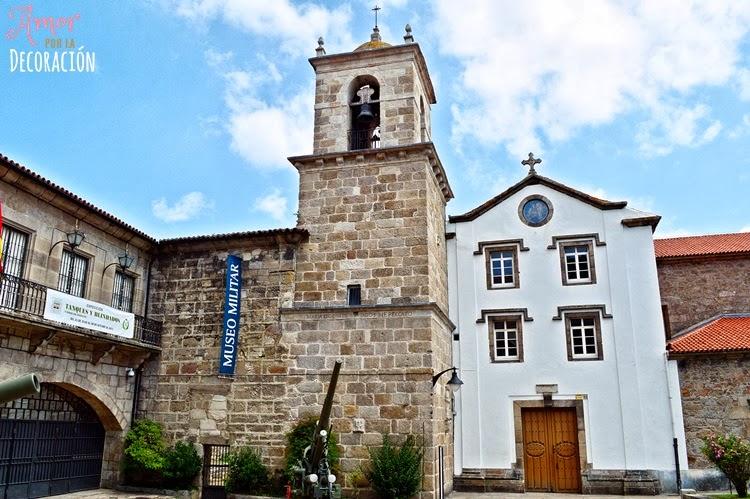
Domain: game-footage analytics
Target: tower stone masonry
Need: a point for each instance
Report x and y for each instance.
(375, 212)
(371, 214)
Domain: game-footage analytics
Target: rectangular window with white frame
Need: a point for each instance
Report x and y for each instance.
(577, 263)
(506, 339)
(73, 272)
(15, 246)
(122, 294)
(502, 267)
(584, 336)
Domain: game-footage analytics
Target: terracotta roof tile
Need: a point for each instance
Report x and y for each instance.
(723, 333)
(714, 244)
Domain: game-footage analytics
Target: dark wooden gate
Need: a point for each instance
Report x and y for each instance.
(215, 469)
(50, 443)
(550, 445)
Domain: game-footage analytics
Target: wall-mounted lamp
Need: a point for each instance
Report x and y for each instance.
(74, 239)
(454, 383)
(130, 372)
(125, 260)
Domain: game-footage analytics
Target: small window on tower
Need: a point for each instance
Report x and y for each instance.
(354, 295)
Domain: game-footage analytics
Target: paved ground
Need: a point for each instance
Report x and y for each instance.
(531, 495)
(108, 494)
(114, 494)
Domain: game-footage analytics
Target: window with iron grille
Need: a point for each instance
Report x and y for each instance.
(73, 271)
(505, 340)
(15, 243)
(122, 295)
(584, 337)
(14, 251)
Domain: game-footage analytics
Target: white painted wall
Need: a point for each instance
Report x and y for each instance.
(626, 395)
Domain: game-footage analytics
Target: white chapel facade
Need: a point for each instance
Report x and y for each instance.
(560, 344)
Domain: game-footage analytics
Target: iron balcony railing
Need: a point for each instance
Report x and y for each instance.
(22, 296)
(364, 139)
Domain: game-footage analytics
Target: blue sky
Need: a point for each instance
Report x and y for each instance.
(194, 104)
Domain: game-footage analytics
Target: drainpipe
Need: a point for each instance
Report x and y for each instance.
(139, 370)
(675, 442)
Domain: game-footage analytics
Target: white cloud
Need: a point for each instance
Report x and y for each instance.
(274, 205)
(531, 72)
(185, 208)
(741, 129)
(743, 81)
(296, 27)
(264, 134)
(670, 127)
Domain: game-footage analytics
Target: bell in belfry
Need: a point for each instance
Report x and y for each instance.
(365, 111)
(365, 114)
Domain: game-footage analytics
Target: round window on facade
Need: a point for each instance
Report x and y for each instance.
(535, 210)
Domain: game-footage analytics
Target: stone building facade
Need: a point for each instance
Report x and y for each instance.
(370, 217)
(75, 363)
(704, 282)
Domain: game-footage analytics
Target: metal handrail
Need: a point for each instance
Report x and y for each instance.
(20, 295)
(363, 139)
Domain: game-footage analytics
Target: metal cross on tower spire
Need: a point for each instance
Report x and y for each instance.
(376, 9)
(531, 162)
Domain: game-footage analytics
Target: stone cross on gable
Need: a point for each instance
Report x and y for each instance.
(531, 162)
(365, 93)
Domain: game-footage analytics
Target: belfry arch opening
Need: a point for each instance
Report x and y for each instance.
(364, 113)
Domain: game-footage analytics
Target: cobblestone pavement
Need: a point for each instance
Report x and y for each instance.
(108, 494)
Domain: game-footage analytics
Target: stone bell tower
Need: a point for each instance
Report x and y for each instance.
(371, 282)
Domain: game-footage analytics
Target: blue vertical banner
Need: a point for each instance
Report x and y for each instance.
(230, 337)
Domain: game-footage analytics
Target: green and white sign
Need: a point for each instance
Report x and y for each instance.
(75, 311)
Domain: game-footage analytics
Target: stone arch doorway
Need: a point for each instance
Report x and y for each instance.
(50, 443)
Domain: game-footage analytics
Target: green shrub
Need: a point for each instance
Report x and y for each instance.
(731, 454)
(246, 473)
(143, 461)
(181, 465)
(298, 438)
(396, 472)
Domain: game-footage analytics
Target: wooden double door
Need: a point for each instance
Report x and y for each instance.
(550, 450)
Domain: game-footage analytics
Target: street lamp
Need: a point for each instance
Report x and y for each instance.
(454, 383)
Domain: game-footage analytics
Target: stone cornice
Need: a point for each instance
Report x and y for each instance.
(334, 160)
(356, 310)
(367, 58)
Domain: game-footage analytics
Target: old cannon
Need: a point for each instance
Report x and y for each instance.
(314, 471)
(16, 388)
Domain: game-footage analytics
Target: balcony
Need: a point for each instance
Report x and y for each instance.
(24, 301)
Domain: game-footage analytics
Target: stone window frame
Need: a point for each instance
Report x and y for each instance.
(518, 319)
(513, 248)
(597, 336)
(589, 244)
